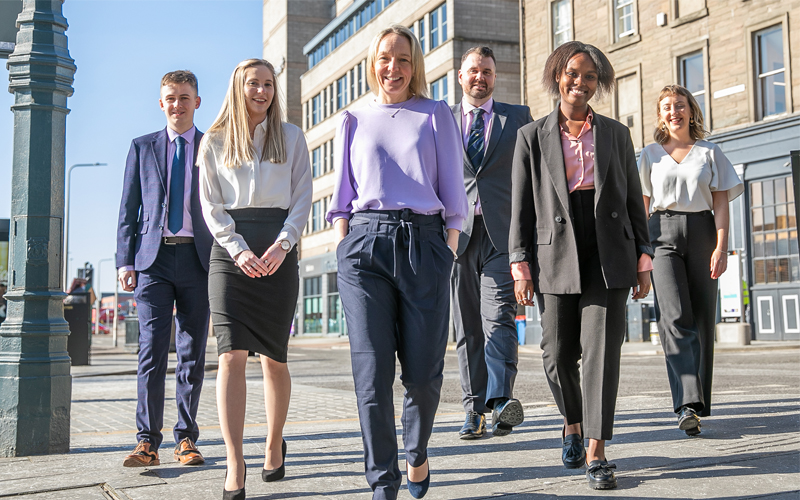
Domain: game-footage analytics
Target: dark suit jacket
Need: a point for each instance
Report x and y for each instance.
(542, 230)
(143, 210)
(492, 179)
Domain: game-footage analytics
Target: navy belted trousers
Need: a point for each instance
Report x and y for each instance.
(393, 278)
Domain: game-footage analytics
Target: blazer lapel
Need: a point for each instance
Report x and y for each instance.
(499, 117)
(550, 140)
(602, 154)
(197, 212)
(160, 152)
(457, 115)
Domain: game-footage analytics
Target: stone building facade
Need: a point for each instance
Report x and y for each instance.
(736, 58)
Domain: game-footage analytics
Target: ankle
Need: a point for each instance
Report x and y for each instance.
(417, 474)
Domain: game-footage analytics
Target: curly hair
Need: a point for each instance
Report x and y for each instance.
(696, 130)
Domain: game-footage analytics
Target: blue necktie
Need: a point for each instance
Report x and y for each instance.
(175, 207)
(476, 138)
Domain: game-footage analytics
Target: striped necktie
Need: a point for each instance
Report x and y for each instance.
(475, 146)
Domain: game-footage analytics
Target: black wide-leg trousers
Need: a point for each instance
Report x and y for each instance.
(393, 278)
(686, 303)
(589, 328)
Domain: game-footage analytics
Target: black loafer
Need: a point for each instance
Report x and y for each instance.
(688, 419)
(505, 416)
(573, 453)
(474, 426)
(600, 475)
(693, 432)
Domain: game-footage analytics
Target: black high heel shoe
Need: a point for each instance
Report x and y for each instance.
(420, 488)
(235, 494)
(270, 475)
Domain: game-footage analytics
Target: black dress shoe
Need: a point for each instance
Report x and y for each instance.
(505, 416)
(688, 420)
(235, 494)
(270, 475)
(693, 432)
(573, 453)
(474, 426)
(600, 475)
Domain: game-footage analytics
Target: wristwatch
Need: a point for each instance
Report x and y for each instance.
(285, 245)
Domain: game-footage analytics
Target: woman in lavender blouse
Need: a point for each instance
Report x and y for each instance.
(397, 209)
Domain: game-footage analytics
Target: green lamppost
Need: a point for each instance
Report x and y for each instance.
(35, 382)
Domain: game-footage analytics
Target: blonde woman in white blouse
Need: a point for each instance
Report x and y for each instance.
(255, 180)
(687, 183)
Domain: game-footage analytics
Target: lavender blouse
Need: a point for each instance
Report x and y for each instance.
(396, 156)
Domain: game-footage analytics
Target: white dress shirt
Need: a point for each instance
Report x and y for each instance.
(255, 184)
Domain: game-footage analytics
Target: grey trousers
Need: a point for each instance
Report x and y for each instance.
(686, 303)
(482, 290)
(588, 327)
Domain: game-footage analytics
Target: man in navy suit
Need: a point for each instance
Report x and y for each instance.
(163, 249)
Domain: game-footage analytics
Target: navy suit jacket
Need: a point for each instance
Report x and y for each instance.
(143, 210)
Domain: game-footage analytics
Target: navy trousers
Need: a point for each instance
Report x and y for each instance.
(394, 270)
(176, 278)
(483, 314)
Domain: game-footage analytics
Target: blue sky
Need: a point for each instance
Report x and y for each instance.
(122, 49)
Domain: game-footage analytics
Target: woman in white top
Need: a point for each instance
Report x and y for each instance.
(255, 180)
(686, 184)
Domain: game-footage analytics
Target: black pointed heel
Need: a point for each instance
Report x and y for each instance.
(235, 494)
(270, 475)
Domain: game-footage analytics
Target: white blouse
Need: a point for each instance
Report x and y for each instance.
(258, 184)
(687, 186)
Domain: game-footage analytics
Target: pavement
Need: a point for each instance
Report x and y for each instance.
(750, 448)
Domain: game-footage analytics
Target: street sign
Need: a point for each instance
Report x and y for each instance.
(9, 10)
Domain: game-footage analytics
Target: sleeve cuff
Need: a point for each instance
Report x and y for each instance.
(645, 264)
(454, 222)
(521, 271)
(646, 250)
(124, 269)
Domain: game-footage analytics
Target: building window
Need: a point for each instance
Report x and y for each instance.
(330, 155)
(627, 98)
(352, 81)
(562, 22)
(623, 18)
(330, 98)
(312, 305)
(770, 71)
(360, 84)
(316, 109)
(439, 26)
(439, 89)
(691, 76)
(336, 322)
(421, 35)
(316, 165)
(772, 218)
(341, 92)
(317, 216)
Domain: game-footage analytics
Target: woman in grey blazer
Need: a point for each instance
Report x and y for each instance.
(579, 242)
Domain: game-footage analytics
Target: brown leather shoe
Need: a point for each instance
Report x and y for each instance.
(142, 456)
(187, 453)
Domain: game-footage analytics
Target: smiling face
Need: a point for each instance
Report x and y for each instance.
(578, 81)
(259, 89)
(178, 101)
(477, 76)
(393, 68)
(674, 112)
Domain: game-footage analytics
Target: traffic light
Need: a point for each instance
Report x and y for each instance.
(86, 273)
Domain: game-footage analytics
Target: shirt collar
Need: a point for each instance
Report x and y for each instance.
(587, 125)
(487, 107)
(188, 135)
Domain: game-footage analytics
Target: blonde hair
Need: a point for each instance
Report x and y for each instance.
(418, 85)
(232, 122)
(696, 130)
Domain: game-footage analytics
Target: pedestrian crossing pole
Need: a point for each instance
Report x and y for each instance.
(35, 381)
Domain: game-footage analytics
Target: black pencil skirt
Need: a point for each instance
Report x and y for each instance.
(253, 314)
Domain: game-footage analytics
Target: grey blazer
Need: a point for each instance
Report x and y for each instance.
(542, 230)
(492, 179)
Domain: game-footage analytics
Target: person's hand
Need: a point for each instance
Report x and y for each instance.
(452, 241)
(523, 291)
(251, 265)
(643, 288)
(719, 263)
(273, 257)
(127, 279)
(341, 228)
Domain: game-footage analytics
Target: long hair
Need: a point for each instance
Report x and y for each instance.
(696, 130)
(232, 122)
(418, 85)
(557, 62)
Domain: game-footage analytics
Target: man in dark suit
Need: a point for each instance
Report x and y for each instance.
(163, 249)
(482, 285)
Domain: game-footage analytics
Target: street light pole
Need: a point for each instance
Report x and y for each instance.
(97, 295)
(66, 219)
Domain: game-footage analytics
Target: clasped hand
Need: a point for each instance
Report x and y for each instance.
(255, 267)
